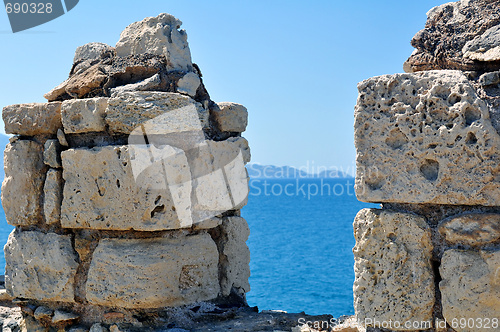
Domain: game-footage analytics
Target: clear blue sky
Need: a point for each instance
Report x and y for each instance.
(293, 64)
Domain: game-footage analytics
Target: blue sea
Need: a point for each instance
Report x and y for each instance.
(300, 243)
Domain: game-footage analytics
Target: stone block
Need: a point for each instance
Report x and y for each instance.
(53, 196)
(231, 117)
(102, 180)
(150, 188)
(393, 273)
(236, 256)
(220, 180)
(84, 115)
(154, 113)
(148, 84)
(470, 288)
(32, 119)
(425, 138)
(159, 36)
(474, 229)
(52, 153)
(88, 54)
(188, 84)
(40, 266)
(22, 188)
(484, 47)
(153, 273)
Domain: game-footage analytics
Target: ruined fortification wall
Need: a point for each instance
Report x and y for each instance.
(428, 149)
(125, 188)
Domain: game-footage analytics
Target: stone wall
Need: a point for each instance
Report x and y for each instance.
(428, 150)
(125, 188)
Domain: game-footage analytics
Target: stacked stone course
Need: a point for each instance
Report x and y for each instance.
(428, 149)
(125, 189)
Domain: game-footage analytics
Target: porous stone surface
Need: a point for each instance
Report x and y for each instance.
(456, 35)
(235, 256)
(40, 266)
(154, 113)
(52, 196)
(84, 115)
(158, 35)
(470, 286)
(474, 229)
(22, 187)
(231, 117)
(32, 119)
(425, 138)
(394, 278)
(183, 270)
(52, 153)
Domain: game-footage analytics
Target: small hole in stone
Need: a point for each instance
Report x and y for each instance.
(471, 139)
(118, 183)
(157, 209)
(471, 115)
(453, 99)
(396, 139)
(430, 169)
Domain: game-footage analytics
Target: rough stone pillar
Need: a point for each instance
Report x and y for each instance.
(125, 189)
(428, 149)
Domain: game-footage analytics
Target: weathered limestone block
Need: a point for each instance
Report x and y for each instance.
(456, 34)
(22, 187)
(102, 180)
(394, 278)
(53, 196)
(188, 84)
(220, 179)
(122, 188)
(425, 138)
(89, 54)
(159, 36)
(153, 273)
(61, 137)
(475, 229)
(235, 255)
(84, 115)
(40, 266)
(32, 119)
(159, 113)
(77, 86)
(470, 287)
(231, 117)
(52, 153)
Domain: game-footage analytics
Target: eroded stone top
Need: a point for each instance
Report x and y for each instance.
(158, 35)
(458, 35)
